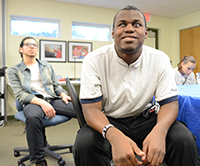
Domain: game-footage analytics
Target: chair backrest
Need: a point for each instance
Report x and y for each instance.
(76, 103)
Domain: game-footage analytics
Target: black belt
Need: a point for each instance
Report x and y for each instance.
(48, 99)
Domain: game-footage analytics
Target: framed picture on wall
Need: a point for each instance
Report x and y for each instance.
(52, 50)
(78, 50)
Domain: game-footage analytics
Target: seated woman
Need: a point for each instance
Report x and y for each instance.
(184, 72)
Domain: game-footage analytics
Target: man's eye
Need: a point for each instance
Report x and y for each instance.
(137, 25)
(121, 25)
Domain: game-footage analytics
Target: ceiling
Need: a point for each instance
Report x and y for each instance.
(166, 8)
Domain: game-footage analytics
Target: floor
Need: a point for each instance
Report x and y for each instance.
(11, 135)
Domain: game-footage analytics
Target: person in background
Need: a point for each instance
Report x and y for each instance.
(184, 71)
(36, 87)
(49, 53)
(118, 83)
(58, 52)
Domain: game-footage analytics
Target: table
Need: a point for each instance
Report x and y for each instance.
(189, 108)
(74, 82)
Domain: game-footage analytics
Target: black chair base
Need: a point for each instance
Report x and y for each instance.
(49, 152)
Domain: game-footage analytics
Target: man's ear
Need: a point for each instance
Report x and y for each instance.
(146, 33)
(20, 50)
(182, 63)
(112, 33)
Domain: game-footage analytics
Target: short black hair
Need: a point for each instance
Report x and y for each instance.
(22, 43)
(129, 7)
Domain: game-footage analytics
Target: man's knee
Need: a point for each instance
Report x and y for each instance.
(91, 148)
(180, 135)
(85, 138)
(90, 140)
(32, 112)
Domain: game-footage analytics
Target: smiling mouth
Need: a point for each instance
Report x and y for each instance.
(129, 37)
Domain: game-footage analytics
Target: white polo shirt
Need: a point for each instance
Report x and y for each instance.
(126, 90)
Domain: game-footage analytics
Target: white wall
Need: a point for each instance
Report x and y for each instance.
(166, 34)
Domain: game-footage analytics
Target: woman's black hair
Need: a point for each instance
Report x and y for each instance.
(22, 43)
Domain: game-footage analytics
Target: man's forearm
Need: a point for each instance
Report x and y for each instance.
(167, 115)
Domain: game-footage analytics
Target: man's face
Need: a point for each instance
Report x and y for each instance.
(129, 31)
(30, 48)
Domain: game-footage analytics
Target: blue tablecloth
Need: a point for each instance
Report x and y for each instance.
(189, 109)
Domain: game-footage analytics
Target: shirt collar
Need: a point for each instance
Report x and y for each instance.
(122, 62)
(24, 67)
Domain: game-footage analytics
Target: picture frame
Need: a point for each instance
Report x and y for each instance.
(52, 50)
(78, 50)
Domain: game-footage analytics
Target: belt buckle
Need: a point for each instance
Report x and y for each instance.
(48, 99)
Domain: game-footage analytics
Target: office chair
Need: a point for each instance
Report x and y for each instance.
(77, 106)
(58, 119)
(76, 103)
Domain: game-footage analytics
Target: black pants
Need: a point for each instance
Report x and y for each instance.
(91, 149)
(34, 125)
